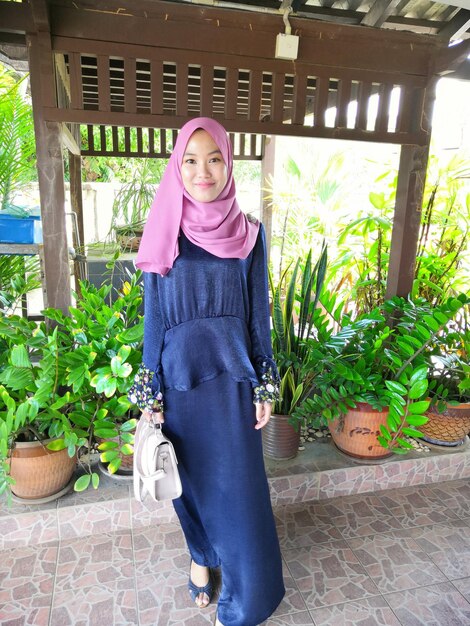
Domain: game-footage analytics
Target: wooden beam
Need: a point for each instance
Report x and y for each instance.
(63, 74)
(450, 58)
(456, 27)
(10, 41)
(462, 72)
(114, 118)
(219, 33)
(153, 53)
(379, 12)
(51, 188)
(68, 140)
(15, 17)
(40, 15)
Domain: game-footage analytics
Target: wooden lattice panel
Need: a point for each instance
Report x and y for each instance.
(264, 97)
(155, 142)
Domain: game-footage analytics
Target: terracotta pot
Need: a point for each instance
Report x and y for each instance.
(358, 437)
(448, 428)
(39, 472)
(280, 439)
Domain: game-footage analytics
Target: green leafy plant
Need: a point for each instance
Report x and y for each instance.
(364, 246)
(358, 269)
(294, 300)
(379, 358)
(303, 202)
(133, 200)
(68, 378)
(309, 204)
(443, 244)
(449, 363)
(18, 276)
(17, 141)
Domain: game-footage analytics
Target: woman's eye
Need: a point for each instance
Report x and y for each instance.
(215, 160)
(190, 161)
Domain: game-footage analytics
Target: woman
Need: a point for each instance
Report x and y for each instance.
(207, 371)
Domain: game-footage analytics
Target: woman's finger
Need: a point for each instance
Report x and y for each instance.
(147, 415)
(160, 417)
(263, 414)
(262, 422)
(151, 416)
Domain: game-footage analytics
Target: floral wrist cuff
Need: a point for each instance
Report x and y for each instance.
(141, 393)
(268, 390)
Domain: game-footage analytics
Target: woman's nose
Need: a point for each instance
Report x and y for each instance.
(203, 170)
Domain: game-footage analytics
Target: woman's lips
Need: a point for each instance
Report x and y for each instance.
(204, 185)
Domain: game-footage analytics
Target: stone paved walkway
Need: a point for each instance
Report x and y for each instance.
(391, 558)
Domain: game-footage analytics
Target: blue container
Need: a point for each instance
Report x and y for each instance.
(17, 229)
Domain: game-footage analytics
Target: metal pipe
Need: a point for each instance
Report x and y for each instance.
(285, 18)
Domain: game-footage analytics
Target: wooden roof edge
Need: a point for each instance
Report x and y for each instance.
(15, 17)
(450, 59)
(18, 18)
(167, 10)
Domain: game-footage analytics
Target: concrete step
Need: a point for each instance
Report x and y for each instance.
(318, 473)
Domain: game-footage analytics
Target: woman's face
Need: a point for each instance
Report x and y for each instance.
(203, 170)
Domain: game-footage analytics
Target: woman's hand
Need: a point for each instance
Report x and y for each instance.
(263, 414)
(150, 416)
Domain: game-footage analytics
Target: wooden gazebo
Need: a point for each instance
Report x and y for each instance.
(150, 65)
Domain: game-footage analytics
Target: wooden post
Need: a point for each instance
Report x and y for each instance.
(76, 203)
(408, 205)
(267, 172)
(406, 220)
(50, 176)
(76, 200)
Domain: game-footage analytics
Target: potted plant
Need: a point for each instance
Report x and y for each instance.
(38, 439)
(449, 389)
(291, 328)
(132, 203)
(108, 335)
(369, 380)
(67, 380)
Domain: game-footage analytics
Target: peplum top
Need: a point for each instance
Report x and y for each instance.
(207, 316)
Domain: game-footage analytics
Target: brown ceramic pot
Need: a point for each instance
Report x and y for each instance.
(38, 471)
(280, 439)
(358, 437)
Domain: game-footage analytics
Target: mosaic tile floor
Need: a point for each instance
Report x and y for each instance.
(399, 557)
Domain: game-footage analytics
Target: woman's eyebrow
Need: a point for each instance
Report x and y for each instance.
(193, 154)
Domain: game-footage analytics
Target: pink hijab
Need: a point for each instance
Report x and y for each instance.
(220, 227)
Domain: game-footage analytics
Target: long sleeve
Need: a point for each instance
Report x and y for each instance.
(147, 390)
(267, 389)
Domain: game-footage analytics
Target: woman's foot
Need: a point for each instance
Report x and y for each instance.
(200, 585)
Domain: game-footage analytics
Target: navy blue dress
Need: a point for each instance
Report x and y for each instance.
(207, 349)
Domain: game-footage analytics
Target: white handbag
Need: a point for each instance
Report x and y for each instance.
(155, 464)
